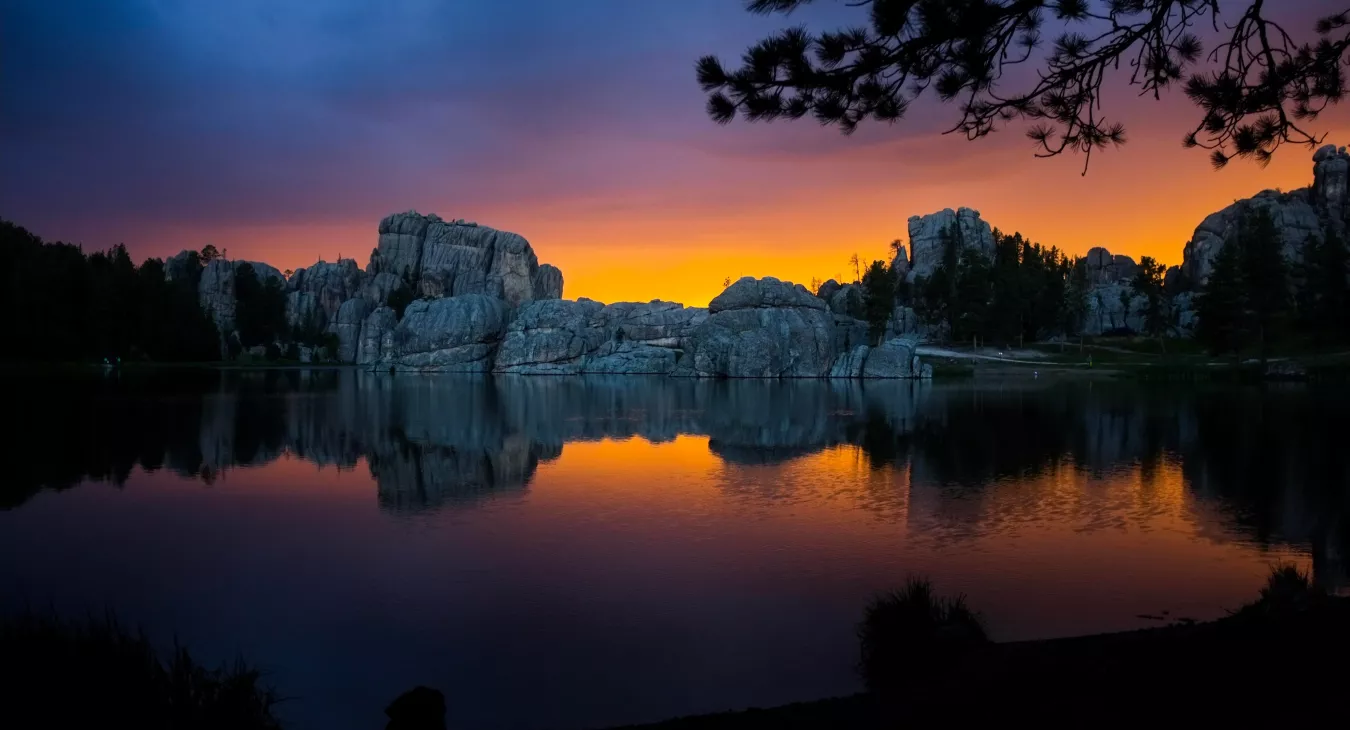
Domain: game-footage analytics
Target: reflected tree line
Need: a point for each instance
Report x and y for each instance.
(1270, 458)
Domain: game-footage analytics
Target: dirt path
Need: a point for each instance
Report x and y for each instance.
(927, 350)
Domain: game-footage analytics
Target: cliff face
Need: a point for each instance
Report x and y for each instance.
(430, 258)
(1299, 215)
(446, 259)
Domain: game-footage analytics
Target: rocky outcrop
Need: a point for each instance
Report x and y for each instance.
(1331, 168)
(847, 300)
(548, 282)
(448, 259)
(347, 325)
(378, 288)
(329, 284)
(452, 334)
(1103, 268)
(1111, 304)
(894, 358)
(849, 365)
(828, 289)
(1299, 215)
(183, 266)
(486, 305)
(216, 289)
(303, 313)
(763, 328)
(377, 336)
(566, 337)
(927, 238)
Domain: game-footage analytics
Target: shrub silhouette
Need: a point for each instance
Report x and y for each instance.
(911, 632)
(97, 674)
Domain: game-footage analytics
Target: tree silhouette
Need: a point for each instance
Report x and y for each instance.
(878, 299)
(1148, 283)
(1264, 89)
(1220, 302)
(1324, 298)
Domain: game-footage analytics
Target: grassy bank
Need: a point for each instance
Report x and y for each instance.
(1134, 358)
(1280, 659)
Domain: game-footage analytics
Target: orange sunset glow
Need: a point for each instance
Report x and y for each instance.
(609, 167)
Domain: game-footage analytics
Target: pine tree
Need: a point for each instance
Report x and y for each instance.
(1324, 297)
(1219, 305)
(1148, 283)
(878, 284)
(1265, 277)
(993, 59)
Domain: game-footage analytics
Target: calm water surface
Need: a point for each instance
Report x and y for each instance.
(578, 552)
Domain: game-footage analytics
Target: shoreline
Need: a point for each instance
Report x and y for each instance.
(1139, 674)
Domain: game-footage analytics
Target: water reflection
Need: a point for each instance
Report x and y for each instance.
(632, 549)
(1270, 459)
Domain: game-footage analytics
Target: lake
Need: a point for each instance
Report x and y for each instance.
(586, 551)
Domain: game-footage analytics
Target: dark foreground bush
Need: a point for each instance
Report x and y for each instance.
(912, 632)
(60, 673)
(1288, 593)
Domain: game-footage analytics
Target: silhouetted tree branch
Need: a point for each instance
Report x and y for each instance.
(1260, 89)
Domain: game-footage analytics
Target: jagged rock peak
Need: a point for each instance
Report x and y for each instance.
(437, 258)
(926, 238)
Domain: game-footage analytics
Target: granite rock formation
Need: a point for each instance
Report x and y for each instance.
(927, 244)
(1299, 215)
(447, 259)
(763, 328)
(451, 334)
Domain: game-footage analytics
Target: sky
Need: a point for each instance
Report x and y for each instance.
(284, 130)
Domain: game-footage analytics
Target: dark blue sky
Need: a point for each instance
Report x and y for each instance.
(287, 128)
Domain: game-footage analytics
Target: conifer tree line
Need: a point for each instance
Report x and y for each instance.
(71, 306)
(1253, 300)
(1025, 293)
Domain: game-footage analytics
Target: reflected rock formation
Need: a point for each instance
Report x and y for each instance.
(1268, 459)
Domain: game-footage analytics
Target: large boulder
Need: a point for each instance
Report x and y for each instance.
(766, 293)
(584, 336)
(656, 323)
(763, 328)
(551, 336)
(453, 334)
(439, 258)
(927, 238)
(894, 358)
